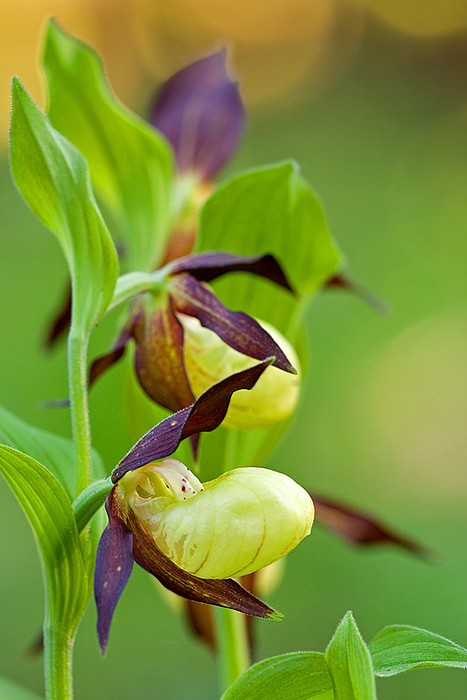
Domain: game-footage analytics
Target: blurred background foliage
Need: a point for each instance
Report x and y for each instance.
(370, 98)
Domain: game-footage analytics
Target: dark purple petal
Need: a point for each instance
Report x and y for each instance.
(200, 112)
(114, 562)
(223, 592)
(101, 364)
(204, 415)
(208, 266)
(235, 328)
(159, 360)
(340, 281)
(359, 528)
(61, 322)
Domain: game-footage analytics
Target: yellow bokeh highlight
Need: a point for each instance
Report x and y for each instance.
(275, 45)
(422, 17)
(278, 49)
(414, 398)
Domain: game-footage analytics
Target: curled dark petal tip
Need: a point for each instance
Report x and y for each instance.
(341, 281)
(200, 112)
(204, 415)
(206, 267)
(114, 563)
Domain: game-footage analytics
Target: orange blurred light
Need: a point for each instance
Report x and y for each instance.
(275, 44)
(21, 27)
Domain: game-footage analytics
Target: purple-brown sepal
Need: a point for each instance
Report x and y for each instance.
(204, 415)
(114, 563)
(200, 112)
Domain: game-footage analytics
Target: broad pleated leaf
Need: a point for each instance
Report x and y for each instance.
(271, 209)
(349, 663)
(297, 676)
(400, 648)
(130, 163)
(53, 178)
(54, 451)
(49, 511)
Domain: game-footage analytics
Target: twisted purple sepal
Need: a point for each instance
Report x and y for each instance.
(204, 415)
(200, 112)
(235, 328)
(114, 563)
(210, 265)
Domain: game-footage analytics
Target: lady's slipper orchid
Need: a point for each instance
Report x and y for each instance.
(189, 536)
(158, 332)
(208, 360)
(231, 526)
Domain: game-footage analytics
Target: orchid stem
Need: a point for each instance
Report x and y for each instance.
(78, 387)
(58, 641)
(233, 645)
(58, 653)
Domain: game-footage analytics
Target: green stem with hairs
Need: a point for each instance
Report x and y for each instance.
(58, 641)
(78, 388)
(58, 662)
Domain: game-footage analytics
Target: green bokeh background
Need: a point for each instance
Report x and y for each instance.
(382, 421)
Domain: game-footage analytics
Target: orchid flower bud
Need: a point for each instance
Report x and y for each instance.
(208, 360)
(234, 525)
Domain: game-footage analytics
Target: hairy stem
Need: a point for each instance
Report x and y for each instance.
(58, 653)
(78, 387)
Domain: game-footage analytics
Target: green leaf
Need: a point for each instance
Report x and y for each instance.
(53, 178)
(270, 210)
(297, 676)
(130, 162)
(400, 648)
(50, 514)
(12, 691)
(54, 451)
(86, 505)
(349, 663)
